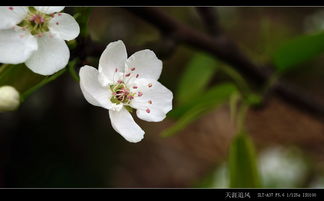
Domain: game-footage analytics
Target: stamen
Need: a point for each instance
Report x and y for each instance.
(150, 102)
(132, 69)
(36, 22)
(140, 94)
(135, 87)
(137, 75)
(121, 93)
(130, 77)
(11, 8)
(150, 85)
(148, 110)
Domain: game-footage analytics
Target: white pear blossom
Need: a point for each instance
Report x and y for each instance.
(122, 84)
(35, 36)
(9, 98)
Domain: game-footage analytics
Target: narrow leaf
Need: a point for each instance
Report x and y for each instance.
(215, 95)
(243, 163)
(298, 50)
(199, 72)
(193, 110)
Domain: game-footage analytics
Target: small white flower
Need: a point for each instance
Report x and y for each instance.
(35, 35)
(9, 98)
(121, 85)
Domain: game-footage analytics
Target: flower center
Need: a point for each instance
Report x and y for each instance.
(36, 22)
(121, 93)
(37, 19)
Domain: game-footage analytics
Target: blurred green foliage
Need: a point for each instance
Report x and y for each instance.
(298, 50)
(19, 76)
(193, 96)
(199, 71)
(192, 110)
(243, 168)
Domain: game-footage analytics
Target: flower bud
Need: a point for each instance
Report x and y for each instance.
(9, 98)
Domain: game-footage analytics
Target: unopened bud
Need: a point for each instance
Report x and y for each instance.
(9, 98)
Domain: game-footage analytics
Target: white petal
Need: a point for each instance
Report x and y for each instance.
(92, 90)
(11, 15)
(52, 55)
(145, 64)
(64, 26)
(125, 125)
(155, 101)
(49, 9)
(16, 46)
(113, 58)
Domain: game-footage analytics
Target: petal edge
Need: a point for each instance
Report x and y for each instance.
(124, 124)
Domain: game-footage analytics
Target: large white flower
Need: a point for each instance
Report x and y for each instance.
(121, 85)
(35, 35)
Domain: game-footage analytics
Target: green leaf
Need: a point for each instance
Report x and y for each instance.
(297, 51)
(243, 163)
(199, 71)
(187, 118)
(19, 76)
(215, 95)
(194, 109)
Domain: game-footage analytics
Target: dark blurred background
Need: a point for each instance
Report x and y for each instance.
(57, 139)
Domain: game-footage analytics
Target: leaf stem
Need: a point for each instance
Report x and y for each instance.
(241, 117)
(46, 80)
(242, 85)
(71, 68)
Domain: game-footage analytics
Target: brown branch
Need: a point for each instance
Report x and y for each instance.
(225, 50)
(210, 19)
